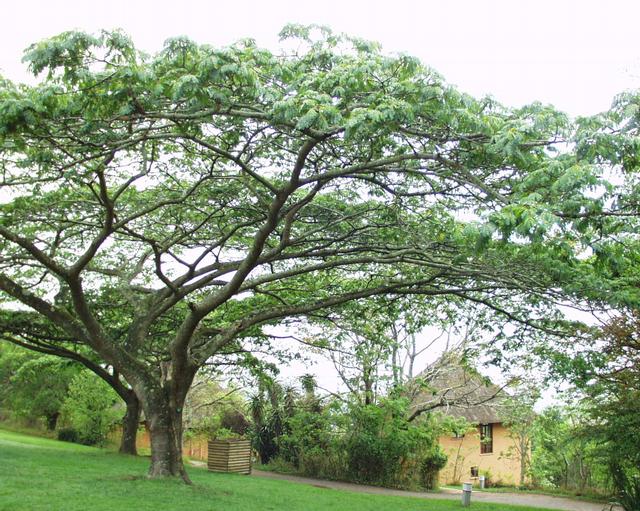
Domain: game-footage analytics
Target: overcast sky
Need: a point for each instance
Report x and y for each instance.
(574, 54)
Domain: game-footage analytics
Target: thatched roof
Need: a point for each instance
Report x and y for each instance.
(452, 387)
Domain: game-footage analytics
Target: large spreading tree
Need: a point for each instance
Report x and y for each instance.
(203, 193)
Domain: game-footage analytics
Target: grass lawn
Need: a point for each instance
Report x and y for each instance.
(41, 474)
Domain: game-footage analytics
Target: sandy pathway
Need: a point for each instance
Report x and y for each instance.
(523, 499)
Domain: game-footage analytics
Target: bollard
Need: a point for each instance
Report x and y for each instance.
(481, 481)
(466, 494)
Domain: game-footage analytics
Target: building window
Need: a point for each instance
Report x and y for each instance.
(486, 438)
(474, 472)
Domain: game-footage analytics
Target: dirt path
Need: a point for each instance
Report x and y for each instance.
(523, 499)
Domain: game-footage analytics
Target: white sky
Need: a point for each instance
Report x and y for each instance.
(574, 54)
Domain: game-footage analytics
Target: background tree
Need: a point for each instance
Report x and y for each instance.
(594, 443)
(518, 415)
(215, 191)
(608, 377)
(211, 404)
(33, 332)
(565, 453)
(270, 407)
(374, 344)
(34, 386)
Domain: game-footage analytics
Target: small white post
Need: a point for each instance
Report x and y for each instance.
(466, 494)
(481, 479)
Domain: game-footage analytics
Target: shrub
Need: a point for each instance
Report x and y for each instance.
(373, 443)
(234, 421)
(226, 434)
(384, 448)
(68, 435)
(431, 464)
(306, 433)
(89, 408)
(277, 464)
(321, 463)
(373, 458)
(627, 485)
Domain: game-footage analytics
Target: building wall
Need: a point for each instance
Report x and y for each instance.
(194, 447)
(502, 466)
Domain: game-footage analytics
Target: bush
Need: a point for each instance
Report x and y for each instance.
(306, 433)
(321, 463)
(373, 458)
(89, 409)
(277, 464)
(234, 421)
(68, 435)
(627, 485)
(431, 464)
(373, 444)
(226, 434)
(383, 448)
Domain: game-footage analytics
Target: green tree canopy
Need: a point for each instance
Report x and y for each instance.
(211, 191)
(34, 386)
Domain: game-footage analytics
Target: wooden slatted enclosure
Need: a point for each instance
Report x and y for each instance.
(229, 456)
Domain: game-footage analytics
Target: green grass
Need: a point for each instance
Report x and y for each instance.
(42, 474)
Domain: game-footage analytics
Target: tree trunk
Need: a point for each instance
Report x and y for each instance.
(52, 421)
(524, 452)
(130, 423)
(162, 405)
(367, 379)
(165, 427)
(162, 396)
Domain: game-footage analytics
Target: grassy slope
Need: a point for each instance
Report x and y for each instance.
(40, 474)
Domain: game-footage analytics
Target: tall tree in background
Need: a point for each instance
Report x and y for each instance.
(376, 343)
(609, 378)
(214, 191)
(517, 413)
